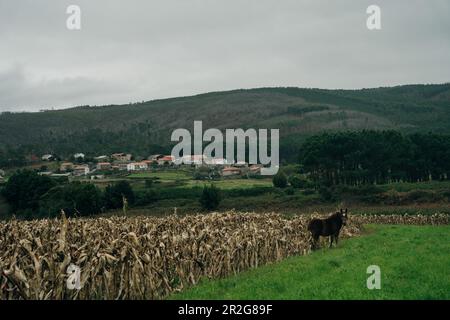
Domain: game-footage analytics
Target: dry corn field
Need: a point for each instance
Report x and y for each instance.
(150, 257)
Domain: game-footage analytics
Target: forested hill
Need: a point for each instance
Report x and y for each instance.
(144, 128)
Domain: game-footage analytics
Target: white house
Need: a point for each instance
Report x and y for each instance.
(200, 160)
(136, 166)
(81, 170)
(218, 161)
(101, 158)
(47, 157)
(79, 156)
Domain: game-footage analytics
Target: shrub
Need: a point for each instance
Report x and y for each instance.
(248, 192)
(24, 190)
(147, 197)
(424, 196)
(280, 180)
(290, 191)
(308, 192)
(210, 198)
(148, 183)
(297, 181)
(113, 196)
(326, 194)
(74, 198)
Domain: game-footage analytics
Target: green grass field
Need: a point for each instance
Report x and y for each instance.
(414, 263)
(162, 175)
(232, 183)
(408, 186)
(186, 181)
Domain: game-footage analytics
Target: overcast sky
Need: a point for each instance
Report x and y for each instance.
(136, 50)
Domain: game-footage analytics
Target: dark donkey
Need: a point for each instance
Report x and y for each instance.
(330, 226)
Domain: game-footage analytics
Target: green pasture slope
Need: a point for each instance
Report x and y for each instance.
(162, 175)
(184, 179)
(414, 262)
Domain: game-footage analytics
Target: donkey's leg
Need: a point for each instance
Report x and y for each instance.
(311, 241)
(331, 241)
(312, 244)
(315, 241)
(336, 237)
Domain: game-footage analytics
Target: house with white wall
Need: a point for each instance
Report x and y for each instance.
(137, 166)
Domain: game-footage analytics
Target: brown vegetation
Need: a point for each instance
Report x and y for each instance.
(150, 257)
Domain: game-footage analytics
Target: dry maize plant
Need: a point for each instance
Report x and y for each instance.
(149, 257)
(435, 219)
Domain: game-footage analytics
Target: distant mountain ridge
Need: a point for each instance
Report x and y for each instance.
(144, 128)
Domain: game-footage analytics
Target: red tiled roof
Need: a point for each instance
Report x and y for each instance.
(166, 158)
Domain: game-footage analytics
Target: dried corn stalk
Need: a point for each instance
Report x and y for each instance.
(150, 257)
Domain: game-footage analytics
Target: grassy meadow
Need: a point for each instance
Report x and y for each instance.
(179, 189)
(414, 263)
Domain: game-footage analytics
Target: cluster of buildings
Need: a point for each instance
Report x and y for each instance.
(237, 170)
(80, 166)
(125, 162)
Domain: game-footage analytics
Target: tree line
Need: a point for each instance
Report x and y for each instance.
(31, 195)
(365, 157)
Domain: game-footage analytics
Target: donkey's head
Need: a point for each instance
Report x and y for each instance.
(343, 214)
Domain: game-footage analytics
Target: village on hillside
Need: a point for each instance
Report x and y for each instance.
(99, 167)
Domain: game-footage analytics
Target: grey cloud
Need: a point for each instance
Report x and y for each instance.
(25, 94)
(139, 50)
